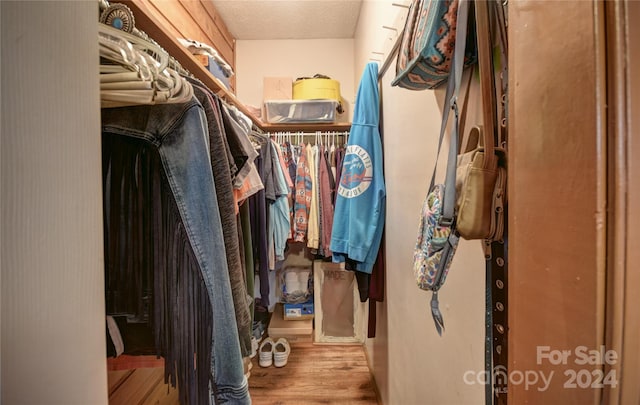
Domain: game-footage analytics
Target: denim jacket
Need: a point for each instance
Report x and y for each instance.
(179, 132)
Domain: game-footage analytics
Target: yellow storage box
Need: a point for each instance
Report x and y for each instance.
(316, 89)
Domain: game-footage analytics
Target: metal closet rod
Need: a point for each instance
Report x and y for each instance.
(310, 133)
(319, 137)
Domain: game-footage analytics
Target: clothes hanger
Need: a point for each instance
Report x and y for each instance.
(143, 71)
(130, 80)
(138, 43)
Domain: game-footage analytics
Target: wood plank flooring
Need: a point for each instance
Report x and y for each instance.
(314, 374)
(140, 386)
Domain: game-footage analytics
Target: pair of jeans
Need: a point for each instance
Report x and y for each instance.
(179, 132)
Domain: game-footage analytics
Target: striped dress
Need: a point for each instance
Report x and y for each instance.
(302, 202)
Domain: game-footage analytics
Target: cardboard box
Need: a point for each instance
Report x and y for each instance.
(295, 332)
(277, 88)
(295, 312)
(203, 59)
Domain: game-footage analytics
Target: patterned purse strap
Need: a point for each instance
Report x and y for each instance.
(451, 103)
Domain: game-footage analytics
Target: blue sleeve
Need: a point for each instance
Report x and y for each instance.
(359, 212)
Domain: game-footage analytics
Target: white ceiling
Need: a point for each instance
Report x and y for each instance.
(289, 19)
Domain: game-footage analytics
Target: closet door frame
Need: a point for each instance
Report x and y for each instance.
(623, 121)
(557, 187)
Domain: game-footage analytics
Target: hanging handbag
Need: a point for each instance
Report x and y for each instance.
(481, 172)
(426, 50)
(437, 237)
(480, 187)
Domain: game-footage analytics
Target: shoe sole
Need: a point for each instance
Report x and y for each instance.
(280, 364)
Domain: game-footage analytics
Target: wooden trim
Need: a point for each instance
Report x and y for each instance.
(623, 323)
(601, 166)
(557, 193)
(130, 362)
(203, 19)
(234, 88)
(189, 21)
(340, 127)
(616, 83)
(630, 389)
(217, 20)
(150, 20)
(373, 376)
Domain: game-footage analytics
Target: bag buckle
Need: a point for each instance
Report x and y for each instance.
(454, 105)
(442, 221)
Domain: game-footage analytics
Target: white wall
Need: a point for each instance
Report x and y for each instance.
(51, 263)
(256, 59)
(412, 365)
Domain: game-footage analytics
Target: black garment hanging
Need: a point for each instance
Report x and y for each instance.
(150, 268)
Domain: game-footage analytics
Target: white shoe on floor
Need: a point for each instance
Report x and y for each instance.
(281, 352)
(254, 346)
(265, 353)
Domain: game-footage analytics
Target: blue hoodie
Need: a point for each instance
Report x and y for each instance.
(358, 219)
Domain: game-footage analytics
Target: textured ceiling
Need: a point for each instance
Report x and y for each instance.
(288, 19)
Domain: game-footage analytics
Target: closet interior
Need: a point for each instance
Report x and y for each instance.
(572, 187)
(217, 223)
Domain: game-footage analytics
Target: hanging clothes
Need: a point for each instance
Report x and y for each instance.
(332, 161)
(302, 197)
(339, 158)
(360, 206)
(313, 229)
(249, 265)
(144, 232)
(237, 130)
(279, 220)
(289, 158)
(258, 220)
(326, 204)
(290, 187)
(177, 131)
(227, 208)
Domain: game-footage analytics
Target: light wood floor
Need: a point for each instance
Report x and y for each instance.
(141, 386)
(315, 374)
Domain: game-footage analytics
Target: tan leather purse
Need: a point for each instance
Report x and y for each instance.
(481, 168)
(480, 186)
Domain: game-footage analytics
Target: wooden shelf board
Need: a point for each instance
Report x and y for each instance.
(339, 127)
(147, 22)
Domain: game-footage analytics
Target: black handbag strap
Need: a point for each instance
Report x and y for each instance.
(496, 304)
(451, 102)
(499, 9)
(487, 81)
(496, 344)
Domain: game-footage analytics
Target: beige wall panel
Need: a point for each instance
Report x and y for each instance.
(293, 58)
(52, 269)
(556, 196)
(412, 365)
